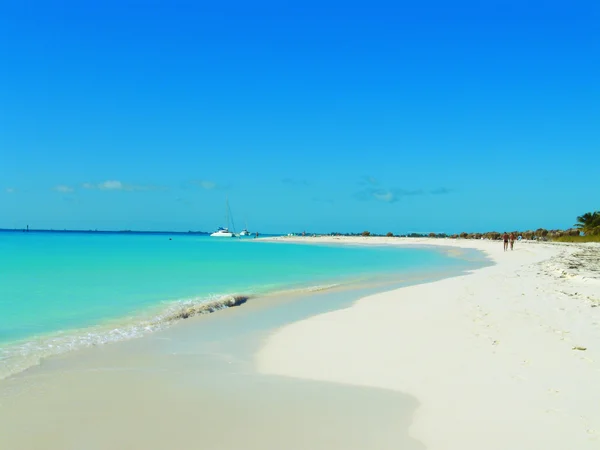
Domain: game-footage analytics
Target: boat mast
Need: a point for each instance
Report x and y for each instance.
(227, 212)
(229, 216)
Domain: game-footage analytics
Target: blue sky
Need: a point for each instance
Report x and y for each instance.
(387, 116)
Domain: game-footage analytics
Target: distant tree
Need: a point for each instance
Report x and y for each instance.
(463, 235)
(390, 234)
(492, 235)
(366, 233)
(528, 235)
(431, 235)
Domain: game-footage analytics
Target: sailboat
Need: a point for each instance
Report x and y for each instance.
(245, 231)
(224, 231)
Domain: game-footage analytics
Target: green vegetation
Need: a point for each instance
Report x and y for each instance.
(587, 229)
(589, 223)
(590, 238)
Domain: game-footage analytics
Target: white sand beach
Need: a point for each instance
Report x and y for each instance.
(506, 357)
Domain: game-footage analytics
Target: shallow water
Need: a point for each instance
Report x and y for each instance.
(62, 291)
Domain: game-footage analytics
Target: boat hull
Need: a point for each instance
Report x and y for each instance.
(217, 234)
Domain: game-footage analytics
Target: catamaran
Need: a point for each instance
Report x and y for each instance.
(224, 231)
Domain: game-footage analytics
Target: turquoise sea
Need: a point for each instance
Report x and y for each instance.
(62, 291)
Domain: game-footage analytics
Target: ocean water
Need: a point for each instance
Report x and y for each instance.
(62, 291)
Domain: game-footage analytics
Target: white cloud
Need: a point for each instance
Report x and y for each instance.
(209, 185)
(206, 184)
(63, 188)
(373, 191)
(384, 196)
(115, 185)
(111, 185)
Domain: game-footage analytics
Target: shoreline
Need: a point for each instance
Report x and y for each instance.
(373, 368)
(503, 357)
(20, 355)
(172, 386)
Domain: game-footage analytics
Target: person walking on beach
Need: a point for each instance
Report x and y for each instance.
(512, 241)
(505, 238)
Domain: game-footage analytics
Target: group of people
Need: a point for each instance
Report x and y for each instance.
(508, 238)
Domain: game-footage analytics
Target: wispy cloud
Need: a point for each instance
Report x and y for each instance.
(111, 185)
(295, 182)
(209, 185)
(441, 191)
(386, 195)
(393, 195)
(115, 185)
(63, 189)
(206, 184)
(368, 181)
(10, 190)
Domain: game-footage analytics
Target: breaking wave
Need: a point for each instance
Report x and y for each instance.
(18, 356)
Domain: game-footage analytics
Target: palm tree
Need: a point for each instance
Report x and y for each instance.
(589, 222)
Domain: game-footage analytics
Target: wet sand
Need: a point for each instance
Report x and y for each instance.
(195, 386)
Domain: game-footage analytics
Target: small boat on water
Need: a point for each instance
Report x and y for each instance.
(224, 231)
(245, 231)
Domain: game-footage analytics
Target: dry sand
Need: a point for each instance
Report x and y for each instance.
(506, 357)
